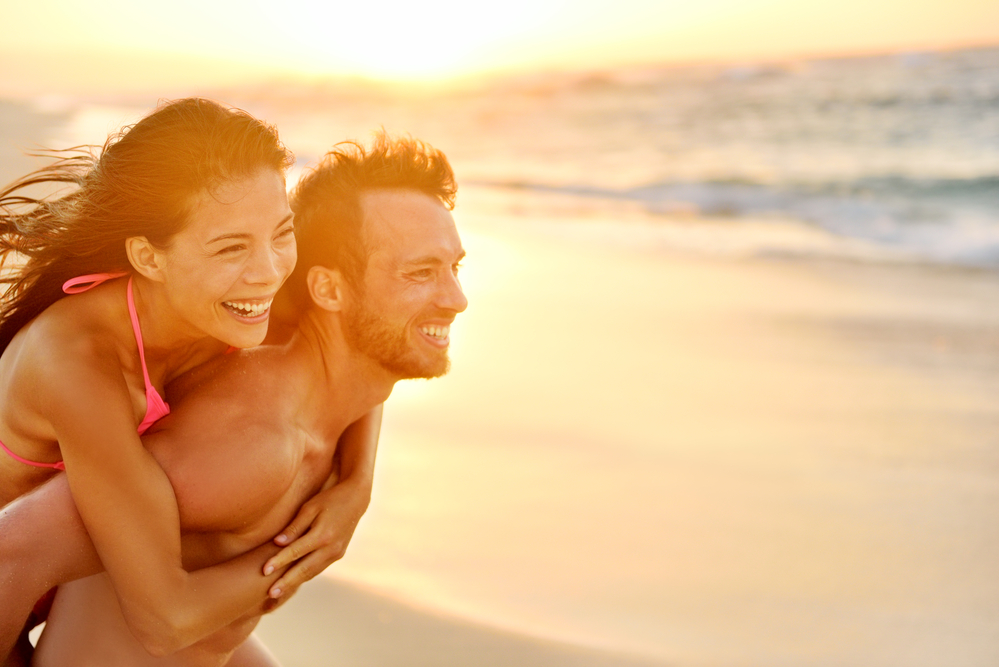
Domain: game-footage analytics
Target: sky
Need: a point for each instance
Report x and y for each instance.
(67, 45)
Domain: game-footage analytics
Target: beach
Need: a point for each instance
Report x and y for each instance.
(690, 459)
(335, 623)
(725, 391)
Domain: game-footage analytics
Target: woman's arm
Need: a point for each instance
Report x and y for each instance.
(44, 543)
(129, 509)
(318, 536)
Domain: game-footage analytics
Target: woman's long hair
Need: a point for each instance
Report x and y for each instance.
(142, 183)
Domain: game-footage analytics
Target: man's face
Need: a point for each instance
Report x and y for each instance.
(410, 292)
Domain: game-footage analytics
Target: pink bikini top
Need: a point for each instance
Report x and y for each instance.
(156, 407)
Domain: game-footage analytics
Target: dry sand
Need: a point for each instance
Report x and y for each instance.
(707, 460)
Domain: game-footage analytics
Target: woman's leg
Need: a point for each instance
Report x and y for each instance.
(20, 655)
(44, 543)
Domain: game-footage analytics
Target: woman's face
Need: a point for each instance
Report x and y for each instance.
(221, 272)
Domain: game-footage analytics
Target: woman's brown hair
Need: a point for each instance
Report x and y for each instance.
(142, 183)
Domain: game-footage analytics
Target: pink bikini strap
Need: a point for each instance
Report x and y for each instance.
(138, 336)
(89, 281)
(156, 407)
(92, 280)
(58, 465)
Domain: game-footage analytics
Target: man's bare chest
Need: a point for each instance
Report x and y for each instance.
(228, 509)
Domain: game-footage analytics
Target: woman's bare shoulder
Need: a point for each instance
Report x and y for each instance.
(94, 320)
(75, 338)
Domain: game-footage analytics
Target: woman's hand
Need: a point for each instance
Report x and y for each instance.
(318, 536)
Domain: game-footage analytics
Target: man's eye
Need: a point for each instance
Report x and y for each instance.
(422, 274)
(455, 268)
(289, 230)
(228, 250)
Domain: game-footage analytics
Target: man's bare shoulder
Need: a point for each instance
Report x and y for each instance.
(232, 402)
(248, 383)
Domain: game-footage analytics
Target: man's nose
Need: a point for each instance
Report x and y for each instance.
(453, 297)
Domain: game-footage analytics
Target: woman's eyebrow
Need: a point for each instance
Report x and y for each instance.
(244, 235)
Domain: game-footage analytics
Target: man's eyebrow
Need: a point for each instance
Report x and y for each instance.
(243, 235)
(431, 259)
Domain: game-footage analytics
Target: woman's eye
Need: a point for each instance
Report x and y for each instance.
(228, 250)
(287, 231)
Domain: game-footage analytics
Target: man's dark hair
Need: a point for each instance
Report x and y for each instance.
(327, 202)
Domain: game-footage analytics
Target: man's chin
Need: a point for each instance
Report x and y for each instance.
(439, 371)
(413, 369)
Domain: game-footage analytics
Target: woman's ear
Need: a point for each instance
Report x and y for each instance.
(144, 258)
(326, 288)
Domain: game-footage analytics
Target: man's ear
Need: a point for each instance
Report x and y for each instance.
(144, 257)
(326, 287)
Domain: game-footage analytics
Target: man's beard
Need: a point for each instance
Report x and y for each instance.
(390, 346)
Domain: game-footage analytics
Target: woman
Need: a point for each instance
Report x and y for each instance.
(173, 244)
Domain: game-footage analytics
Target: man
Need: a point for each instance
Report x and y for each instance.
(253, 435)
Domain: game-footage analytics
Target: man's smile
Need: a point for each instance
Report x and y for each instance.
(436, 334)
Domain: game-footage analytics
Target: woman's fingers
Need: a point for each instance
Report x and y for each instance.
(318, 536)
(306, 515)
(304, 570)
(294, 551)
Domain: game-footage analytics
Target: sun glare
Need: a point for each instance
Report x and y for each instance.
(403, 40)
(69, 46)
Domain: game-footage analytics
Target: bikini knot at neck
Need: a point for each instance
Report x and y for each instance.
(90, 281)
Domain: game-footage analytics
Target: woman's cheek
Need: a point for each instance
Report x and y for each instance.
(290, 259)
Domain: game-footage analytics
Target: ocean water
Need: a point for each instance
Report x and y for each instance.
(898, 152)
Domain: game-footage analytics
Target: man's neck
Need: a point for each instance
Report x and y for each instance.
(343, 385)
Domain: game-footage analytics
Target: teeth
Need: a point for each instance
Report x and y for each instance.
(436, 332)
(247, 309)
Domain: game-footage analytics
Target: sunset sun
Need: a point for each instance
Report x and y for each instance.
(403, 40)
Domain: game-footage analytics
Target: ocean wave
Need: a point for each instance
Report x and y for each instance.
(944, 220)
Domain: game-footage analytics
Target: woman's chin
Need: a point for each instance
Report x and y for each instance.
(245, 334)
